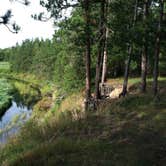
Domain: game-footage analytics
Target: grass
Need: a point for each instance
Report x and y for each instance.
(5, 95)
(24, 93)
(4, 67)
(35, 82)
(124, 132)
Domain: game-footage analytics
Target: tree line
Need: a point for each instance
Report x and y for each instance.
(101, 39)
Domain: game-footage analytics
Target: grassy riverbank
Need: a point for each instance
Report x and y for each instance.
(5, 88)
(128, 131)
(4, 67)
(5, 95)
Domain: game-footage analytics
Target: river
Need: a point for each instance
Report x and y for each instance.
(17, 114)
(12, 120)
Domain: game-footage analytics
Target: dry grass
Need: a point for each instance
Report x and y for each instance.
(72, 102)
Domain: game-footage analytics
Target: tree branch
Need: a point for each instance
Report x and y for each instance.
(10, 29)
(24, 2)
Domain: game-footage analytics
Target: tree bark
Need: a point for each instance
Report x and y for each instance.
(100, 51)
(104, 67)
(126, 74)
(130, 51)
(87, 52)
(157, 50)
(144, 48)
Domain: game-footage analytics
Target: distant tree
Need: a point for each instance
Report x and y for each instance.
(145, 45)
(130, 52)
(101, 45)
(56, 9)
(157, 49)
(87, 51)
(105, 56)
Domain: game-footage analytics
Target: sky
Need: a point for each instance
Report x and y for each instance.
(30, 28)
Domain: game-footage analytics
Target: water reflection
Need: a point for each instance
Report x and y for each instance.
(24, 99)
(12, 120)
(19, 112)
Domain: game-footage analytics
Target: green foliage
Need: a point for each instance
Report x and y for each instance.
(122, 129)
(25, 93)
(5, 95)
(4, 67)
(59, 60)
(62, 58)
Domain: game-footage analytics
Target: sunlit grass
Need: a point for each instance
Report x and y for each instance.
(116, 134)
(115, 81)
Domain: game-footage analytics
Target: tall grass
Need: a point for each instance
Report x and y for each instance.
(5, 95)
(125, 132)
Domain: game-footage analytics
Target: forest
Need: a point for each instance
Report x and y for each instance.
(94, 94)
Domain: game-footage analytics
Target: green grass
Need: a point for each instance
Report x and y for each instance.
(5, 95)
(132, 81)
(4, 67)
(38, 83)
(124, 132)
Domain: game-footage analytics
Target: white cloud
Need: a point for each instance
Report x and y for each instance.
(30, 28)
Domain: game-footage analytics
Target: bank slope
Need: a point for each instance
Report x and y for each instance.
(124, 132)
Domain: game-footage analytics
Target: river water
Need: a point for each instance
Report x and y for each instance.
(12, 120)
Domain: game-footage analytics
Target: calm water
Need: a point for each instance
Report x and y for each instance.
(12, 120)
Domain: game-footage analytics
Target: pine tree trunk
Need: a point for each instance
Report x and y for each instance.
(100, 51)
(87, 53)
(126, 74)
(130, 51)
(104, 67)
(157, 50)
(144, 48)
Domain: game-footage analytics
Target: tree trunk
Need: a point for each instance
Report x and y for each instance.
(157, 50)
(130, 51)
(100, 51)
(104, 67)
(126, 74)
(87, 53)
(144, 48)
